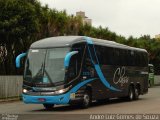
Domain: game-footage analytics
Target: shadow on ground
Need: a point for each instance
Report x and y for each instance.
(66, 108)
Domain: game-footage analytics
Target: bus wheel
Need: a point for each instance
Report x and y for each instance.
(48, 106)
(86, 99)
(136, 93)
(131, 93)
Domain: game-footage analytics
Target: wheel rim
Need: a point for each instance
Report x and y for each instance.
(86, 99)
(136, 93)
(131, 94)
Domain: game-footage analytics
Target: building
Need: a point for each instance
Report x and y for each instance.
(85, 19)
(157, 36)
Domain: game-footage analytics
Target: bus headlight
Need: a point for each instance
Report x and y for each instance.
(25, 91)
(62, 90)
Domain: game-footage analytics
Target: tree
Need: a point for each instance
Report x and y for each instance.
(23, 22)
(18, 23)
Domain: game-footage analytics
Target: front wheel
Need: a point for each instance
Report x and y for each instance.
(87, 99)
(48, 106)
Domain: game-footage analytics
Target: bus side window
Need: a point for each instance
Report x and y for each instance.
(99, 53)
(116, 56)
(88, 68)
(76, 61)
(122, 57)
(131, 57)
(144, 60)
(108, 56)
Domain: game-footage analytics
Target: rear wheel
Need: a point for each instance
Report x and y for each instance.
(131, 93)
(87, 99)
(48, 106)
(136, 93)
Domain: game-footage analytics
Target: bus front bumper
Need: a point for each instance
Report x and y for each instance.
(59, 99)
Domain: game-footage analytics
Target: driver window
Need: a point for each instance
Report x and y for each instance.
(75, 65)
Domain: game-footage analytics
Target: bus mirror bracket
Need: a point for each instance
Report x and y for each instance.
(68, 57)
(18, 59)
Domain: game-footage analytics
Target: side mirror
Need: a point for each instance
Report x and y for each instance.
(68, 57)
(18, 59)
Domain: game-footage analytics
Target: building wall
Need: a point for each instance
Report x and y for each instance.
(85, 19)
(80, 13)
(157, 80)
(10, 87)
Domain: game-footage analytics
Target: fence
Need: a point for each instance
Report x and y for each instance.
(10, 87)
(157, 80)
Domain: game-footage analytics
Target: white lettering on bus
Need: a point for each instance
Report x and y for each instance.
(119, 76)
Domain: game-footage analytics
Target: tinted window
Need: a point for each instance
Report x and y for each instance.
(120, 57)
(105, 55)
(76, 61)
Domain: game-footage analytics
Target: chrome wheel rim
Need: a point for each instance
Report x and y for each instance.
(136, 93)
(131, 94)
(86, 99)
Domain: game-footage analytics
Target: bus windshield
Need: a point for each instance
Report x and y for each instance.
(44, 66)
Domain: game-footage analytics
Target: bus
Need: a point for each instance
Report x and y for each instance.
(80, 69)
(151, 75)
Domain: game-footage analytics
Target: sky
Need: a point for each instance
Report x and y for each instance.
(125, 17)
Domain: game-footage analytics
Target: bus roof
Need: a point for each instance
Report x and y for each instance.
(62, 41)
(57, 41)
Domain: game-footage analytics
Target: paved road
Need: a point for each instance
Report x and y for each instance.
(149, 103)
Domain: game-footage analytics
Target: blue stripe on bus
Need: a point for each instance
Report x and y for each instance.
(95, 54)
(103, 80)
(89, 41)
(98, 69)
(57, 99)
(90, 55)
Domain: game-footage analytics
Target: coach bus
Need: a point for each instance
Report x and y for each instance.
(80, 69)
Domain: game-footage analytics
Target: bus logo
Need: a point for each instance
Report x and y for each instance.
(120, 77)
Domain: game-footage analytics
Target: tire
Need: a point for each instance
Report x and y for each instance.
(87, 99)
(131, 93)
(48, 106)
(136, 93)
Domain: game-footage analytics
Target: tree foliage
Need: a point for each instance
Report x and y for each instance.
(23, 22)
